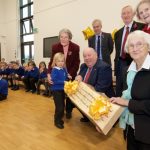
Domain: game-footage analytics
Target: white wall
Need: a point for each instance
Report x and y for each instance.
(2, 29)
(1, 18)
(10, 29)
(11, 25)
(52, 15)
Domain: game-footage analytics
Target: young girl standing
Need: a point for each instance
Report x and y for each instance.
(59, 75)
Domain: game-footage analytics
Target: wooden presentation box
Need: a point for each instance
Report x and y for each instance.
(84, 97)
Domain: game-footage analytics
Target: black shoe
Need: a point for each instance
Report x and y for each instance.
(68, 115)
(33, 91)
(61, 122)
(27, 90)
(60, 126)
(84, 119)
(13, 88)
(45, 94)
(10, 86)
(16, 88)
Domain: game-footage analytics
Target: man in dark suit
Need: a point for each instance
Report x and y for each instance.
(102, 42)
(71, 52)
(123, 60)
(100, 76)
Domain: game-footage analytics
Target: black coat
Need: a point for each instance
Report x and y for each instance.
(100, 77)
(118, 41)
(140, 105)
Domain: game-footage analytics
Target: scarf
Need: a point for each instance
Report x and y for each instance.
(127, 117)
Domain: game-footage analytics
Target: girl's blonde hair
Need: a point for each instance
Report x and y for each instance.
(58, 56)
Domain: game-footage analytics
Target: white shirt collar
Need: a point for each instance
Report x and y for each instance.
(129, 25)
(99, 35)
(146, 64)
(58, 68)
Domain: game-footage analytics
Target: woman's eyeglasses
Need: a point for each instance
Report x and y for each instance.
(137, 46)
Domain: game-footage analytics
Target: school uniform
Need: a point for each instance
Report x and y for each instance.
(31, 80)
(3, 89)
(43, 80)
(58, 75)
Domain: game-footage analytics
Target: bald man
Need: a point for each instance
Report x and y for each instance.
(96, 73)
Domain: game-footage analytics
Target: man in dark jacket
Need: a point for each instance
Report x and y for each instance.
(96, 73)
(122, 60)
(102, 42)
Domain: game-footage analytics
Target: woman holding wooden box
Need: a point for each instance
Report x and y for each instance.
(136, 98)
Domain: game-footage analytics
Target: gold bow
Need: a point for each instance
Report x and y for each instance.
(100, 106)
(113, 34)
(71, 87)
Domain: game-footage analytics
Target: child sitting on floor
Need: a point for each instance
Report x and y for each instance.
(3, 88)
(43, 78)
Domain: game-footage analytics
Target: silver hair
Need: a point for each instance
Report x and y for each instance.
(97, 20)
(127, 7)
(91, 50)
(138, 33)
(67, 31)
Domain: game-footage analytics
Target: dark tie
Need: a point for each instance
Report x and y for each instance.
(98, 47)
(123, 54)
(87, 75)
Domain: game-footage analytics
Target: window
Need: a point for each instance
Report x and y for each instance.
(26, 30)
(27, 26)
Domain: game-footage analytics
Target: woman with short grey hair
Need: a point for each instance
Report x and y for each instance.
(71, 52)
(136, 98)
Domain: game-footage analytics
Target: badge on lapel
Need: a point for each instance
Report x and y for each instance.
(135, 26)
(69, 53)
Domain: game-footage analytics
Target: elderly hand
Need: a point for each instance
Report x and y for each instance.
(78, 78)
(119, 101)
(69, 76)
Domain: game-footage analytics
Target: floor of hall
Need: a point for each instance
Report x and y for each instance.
(26, 123)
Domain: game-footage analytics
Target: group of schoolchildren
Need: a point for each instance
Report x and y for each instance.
(29, 74)
(33, 77)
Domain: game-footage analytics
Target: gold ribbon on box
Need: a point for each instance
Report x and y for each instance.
(99, 107)
(88, 32)
(71, 87)
(113, 33)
